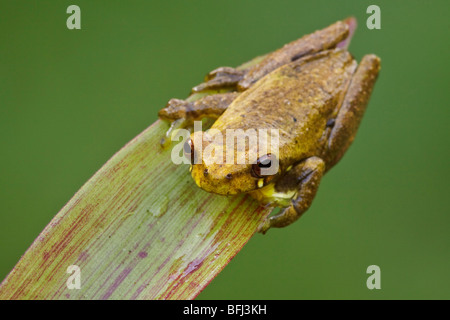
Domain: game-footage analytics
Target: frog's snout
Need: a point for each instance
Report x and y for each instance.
(211, 172)
(222, 179)
(209, 180)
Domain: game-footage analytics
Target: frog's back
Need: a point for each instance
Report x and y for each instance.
(297, 99)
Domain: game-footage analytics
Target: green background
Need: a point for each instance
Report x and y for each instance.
(69, 99)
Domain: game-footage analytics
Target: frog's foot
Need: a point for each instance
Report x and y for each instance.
(309, 173)
(220, 78)
(174, 110)
(264, 226)
(174, 126)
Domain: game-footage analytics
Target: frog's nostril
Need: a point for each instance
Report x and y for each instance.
(205, 172)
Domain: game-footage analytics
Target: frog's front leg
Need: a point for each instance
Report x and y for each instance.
(182, 114)
(306, 177)
(210, 106)
(352, 109)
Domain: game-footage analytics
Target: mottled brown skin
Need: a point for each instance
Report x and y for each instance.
(318, 41)
(314, 93)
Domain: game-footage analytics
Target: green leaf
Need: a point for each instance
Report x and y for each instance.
(138, 229)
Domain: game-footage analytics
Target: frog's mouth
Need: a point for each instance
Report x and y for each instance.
(223, 180)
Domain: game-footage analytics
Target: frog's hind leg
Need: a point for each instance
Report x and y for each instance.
(352, 109)
(305, 177)
(335, 35)
(182, 113)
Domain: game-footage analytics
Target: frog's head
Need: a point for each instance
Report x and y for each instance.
(213, 173)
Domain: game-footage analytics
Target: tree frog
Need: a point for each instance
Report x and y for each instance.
(312, 90)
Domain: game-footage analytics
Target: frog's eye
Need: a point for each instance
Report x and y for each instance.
(264, 162)
(188, 149)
